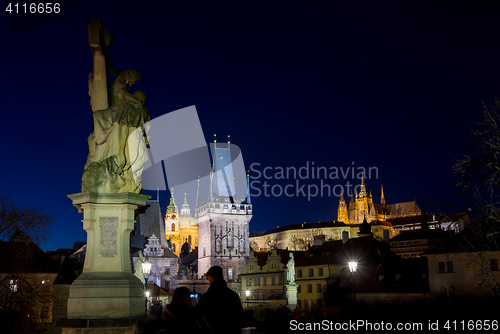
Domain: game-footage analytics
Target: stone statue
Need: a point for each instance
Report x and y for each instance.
(169, 243)
(290, 272)
(118, 145)
(138, 267)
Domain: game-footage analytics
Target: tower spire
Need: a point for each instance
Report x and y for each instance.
(198, 193)
(342, 210)
(171, 208)
(248, 188)
(362, 192)
(382, 197)
(352, 203)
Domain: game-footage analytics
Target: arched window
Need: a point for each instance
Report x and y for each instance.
(173, 227)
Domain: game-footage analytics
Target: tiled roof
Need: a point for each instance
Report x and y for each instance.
(297, 227)
(148, 223)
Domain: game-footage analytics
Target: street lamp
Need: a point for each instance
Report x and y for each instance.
(353, 266)
(146, 270)
(247, 294)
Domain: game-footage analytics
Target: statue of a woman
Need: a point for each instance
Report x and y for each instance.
(290, 270)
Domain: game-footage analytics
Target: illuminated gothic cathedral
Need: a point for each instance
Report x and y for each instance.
(361, 205)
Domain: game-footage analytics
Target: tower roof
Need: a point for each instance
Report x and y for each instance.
(222, 184)
(362, 192)
(147, 224)
(171, 208)
(342, 200)
(185, 205)
(382, 197)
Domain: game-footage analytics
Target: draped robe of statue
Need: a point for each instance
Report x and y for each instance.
(117, 149)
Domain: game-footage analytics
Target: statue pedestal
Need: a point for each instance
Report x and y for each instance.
(107, 288)
(291, 295)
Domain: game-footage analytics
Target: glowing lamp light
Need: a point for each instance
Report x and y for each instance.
(247, 293)
(146, 267)
(353, 266)
(147, 294)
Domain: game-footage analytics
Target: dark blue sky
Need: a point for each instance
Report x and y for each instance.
(392, 85)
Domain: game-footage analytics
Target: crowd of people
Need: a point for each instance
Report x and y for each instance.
(218, 311)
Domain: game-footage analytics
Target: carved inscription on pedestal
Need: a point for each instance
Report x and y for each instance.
(107, 244)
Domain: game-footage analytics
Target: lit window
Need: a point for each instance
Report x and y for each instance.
(230, 273)
(13, 285)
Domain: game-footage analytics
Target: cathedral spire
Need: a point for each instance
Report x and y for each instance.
(342, 210)
(342, 200)
(352, 203)
(362, 193)
(382, 197)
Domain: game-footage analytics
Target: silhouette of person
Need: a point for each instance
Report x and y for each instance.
(178, 315)
(220, 305)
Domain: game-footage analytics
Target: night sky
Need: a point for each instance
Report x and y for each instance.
(392, 85)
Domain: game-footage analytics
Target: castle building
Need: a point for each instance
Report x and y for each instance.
(361, 205)
(223, 221)
(180, 227)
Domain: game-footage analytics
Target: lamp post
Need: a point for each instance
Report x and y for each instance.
(247, 294)
(146, 270)
(353, 266)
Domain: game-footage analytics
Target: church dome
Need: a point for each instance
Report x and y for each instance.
(185, 249)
